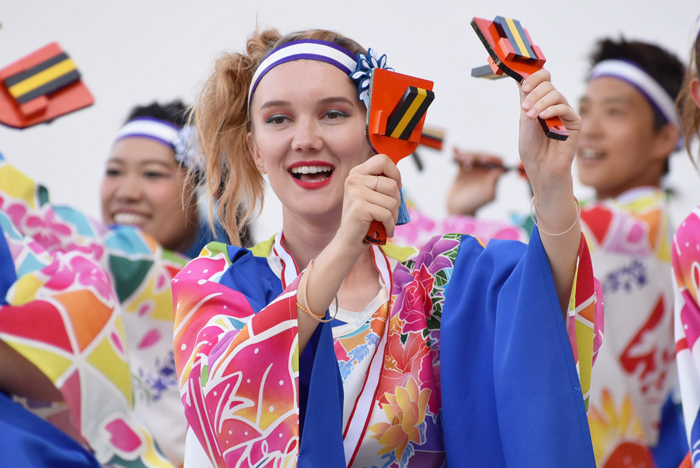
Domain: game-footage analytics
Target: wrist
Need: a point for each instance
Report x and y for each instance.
(549, 189)
(342, 252)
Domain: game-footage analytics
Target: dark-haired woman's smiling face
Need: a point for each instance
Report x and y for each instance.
(143, 187)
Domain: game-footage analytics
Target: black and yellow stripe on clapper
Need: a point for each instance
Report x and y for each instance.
(514, 32)
(408, 112)
(50, 75)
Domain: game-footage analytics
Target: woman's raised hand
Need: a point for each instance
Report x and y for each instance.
(548, 166)
(546, 160)
(371, 193)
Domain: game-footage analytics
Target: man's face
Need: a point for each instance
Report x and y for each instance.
(618, 150)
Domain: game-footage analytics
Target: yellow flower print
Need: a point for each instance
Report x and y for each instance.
(406, 411)
(617, 434)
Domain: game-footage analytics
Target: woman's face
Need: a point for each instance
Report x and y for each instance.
(308, 132)
(143, 186)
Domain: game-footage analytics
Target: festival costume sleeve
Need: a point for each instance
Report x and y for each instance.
(60, 311)
(245, 388)
(511, 394)
(28, 441)
(686, 275)
(241, 346)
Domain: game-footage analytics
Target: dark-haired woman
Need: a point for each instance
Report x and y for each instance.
(146, 183)
(89, 307)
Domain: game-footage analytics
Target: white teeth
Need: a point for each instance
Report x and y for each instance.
(128, 218)
(310, 169)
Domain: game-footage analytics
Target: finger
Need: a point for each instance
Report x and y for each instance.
(384, 216)
(468, 160)
(538, 93)
(380, 164)
(389, 201)
(568, 116)
(376, 164)
(532, 81)
(550, 99)
(378, 207)
(464, 157)
(385, 185)
(489, 159)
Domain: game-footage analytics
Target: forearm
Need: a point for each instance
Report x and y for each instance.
(557, 211)
(319, 286)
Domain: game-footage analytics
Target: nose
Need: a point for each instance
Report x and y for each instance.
(307, 136)
(591, 127)
(129, 188)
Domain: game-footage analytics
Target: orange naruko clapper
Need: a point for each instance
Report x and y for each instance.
(395, 119)
(40, 87)
(512, 53)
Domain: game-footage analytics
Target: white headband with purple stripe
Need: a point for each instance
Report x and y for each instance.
(305, 49)
(181, 140)
(648, 86)
(152, 128)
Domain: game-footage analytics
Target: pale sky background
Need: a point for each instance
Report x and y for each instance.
(133, 52)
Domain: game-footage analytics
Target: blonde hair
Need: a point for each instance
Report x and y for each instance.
(688, 111)
(222, 121)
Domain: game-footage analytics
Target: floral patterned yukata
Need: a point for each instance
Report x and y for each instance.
(463, 355)
(634, 373)
(686, 269)
(91, 307)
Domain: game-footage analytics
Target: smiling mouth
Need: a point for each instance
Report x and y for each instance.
(130, 219)
(311, 173)
(589, 154)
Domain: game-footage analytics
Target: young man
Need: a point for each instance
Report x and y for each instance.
(629, 131)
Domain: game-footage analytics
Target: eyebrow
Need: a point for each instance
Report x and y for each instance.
(274, 104)
(334, 99)
(328, 100)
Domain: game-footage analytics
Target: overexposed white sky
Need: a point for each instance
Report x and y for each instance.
(133, 52)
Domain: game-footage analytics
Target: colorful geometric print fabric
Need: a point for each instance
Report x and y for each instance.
(634, 374)
(253, 400)
(686, 269)
(91, 307)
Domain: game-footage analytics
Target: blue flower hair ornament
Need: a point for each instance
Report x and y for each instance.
(361, 76)
(363, 72)
(185, 145)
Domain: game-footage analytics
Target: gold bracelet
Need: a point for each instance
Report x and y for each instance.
(578, 216)
(318, 318)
